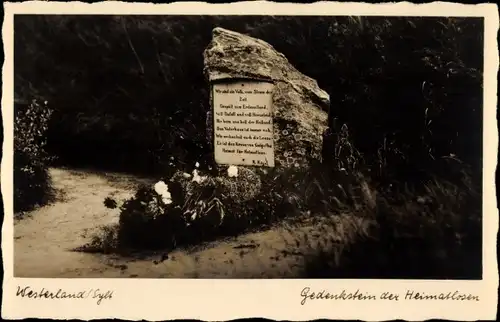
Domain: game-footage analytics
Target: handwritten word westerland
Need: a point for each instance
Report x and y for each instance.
(28, 292)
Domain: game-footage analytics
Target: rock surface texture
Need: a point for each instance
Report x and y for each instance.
(299, 105)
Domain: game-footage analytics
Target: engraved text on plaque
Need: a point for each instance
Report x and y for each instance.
(243, 123)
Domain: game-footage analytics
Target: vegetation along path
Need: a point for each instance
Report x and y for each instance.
(45, 239)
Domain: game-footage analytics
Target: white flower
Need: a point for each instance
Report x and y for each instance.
(197, 177)
(197, 165)
(232, 171)
(161, 188)
(186, 175)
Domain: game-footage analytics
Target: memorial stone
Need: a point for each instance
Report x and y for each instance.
(264, 112)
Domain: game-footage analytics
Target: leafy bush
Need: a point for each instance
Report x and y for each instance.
(31, 178)
(147, 221)
(199, 209)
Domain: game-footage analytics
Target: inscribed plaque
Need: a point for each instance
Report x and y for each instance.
(243, 123)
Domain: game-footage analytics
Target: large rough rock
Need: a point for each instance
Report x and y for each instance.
(298, 103)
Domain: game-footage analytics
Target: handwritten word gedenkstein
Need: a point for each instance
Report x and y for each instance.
(307, 294)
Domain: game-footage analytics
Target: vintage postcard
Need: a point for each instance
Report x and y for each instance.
(250, 159)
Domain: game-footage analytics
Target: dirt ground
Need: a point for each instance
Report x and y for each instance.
(45, 240)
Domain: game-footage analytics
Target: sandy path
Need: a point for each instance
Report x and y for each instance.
(44, 240)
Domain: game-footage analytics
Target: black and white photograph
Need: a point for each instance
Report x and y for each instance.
(256, 146)
(373, 126)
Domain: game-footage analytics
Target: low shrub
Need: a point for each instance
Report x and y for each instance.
(31, 178)
(190, 209)
(150, 220)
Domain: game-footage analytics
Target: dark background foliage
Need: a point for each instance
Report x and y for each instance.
(129, 91)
